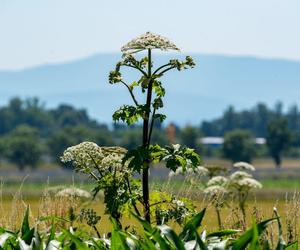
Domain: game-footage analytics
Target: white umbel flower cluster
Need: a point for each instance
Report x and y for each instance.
(178, 203)
(238, 175)
(84, 155)
(244, 166)
(217, 181)
(215, 190)
(216, 187)
(248, 183)
(198, 171)
(241, 180)
(148, 41)
(74, 192)
(88, 156)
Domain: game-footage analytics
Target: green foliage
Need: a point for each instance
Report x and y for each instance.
(173, 156)
(166, 207)
(238, 146)
(278, 139)
(22, 147)
(189, 136)
(149, 237)
(129, 114)
(69, 136)
(255, 120)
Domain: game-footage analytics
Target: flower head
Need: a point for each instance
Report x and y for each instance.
(238, 175)
(217, 181)
(201, 171)
(244, 166)
(148, 41)
(87, 156)
(215, 190)
(74, 192)
(249, 183)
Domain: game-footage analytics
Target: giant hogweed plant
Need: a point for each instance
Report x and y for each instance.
(113, 168)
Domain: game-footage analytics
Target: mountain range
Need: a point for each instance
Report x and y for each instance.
(192, 96)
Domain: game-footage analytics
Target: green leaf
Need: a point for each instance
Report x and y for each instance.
(171, 235)
(255, 238)
(281, 245)
(129, 114)
(26, 233)
(118, 241)
(76, 240)
(199, 240)
(242, 242)
(160, 117)
(222, 233)
(52, 234)
(136, 158)
(133, 84)
(187, 233)
(292, 246)
(25, 225)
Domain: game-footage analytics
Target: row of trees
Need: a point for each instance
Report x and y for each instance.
(30, 133)
(239, 144)
(255, 120)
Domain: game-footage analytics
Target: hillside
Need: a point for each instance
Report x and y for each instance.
(193, 95)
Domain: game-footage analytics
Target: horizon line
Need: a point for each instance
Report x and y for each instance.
(91, 55)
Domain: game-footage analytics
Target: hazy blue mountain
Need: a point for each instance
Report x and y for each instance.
(193, 95)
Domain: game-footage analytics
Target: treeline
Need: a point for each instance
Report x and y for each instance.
(30, 133)
(255, 120)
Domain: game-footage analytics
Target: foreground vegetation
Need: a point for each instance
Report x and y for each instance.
(149, 237)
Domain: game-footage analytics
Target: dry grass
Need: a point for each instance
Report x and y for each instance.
(49, 206)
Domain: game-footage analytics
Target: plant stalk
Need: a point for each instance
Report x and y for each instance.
(146, 142)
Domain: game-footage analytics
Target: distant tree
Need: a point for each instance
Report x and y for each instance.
(66, 115)
(72, 135)
(278, 139)
(230, 120)
(159, 136)
(35, 115)
(238, 146)
(261, 119)
(189, 137)
(293, 117)
(23, 147)
(278, 110)
(130, 138)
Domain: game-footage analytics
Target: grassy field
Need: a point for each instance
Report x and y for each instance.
(17, 195)
(275, 188)
(12, 212)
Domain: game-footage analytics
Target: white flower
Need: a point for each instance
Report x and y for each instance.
(244, 166)
(190, 172)
(201, 171)
(74, 192)
(171, 174)
(249, 183)
(217, 181)
(88, 156)
(215, 190)
(148, 41)
(179, 203)
(239, 175)
(85, 155)
(178, 171)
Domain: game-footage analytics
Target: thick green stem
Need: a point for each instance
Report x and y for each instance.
(146, 143)
(219, 217)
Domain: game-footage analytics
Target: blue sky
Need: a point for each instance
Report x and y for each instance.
(35, 32)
